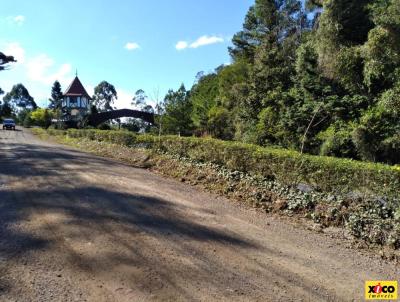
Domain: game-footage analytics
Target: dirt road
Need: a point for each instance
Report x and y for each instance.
(76, 227)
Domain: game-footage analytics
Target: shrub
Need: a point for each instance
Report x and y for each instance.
(326, 174)
(27, 121)
(337, 141)
(361, 196)
(104, 126)
(41, 117)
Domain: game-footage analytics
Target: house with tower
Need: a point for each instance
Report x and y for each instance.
(76, 101)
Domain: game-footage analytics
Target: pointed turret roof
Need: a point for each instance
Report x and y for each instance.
(76, 89)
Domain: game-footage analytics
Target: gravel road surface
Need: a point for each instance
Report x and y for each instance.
(77, 227)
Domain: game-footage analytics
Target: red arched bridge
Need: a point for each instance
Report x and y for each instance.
(99, 118)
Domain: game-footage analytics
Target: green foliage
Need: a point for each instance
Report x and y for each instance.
(27, 122)
(382, 60)
(41, 117)
(178, 109)
(6, 109)
(21, 116)
(327, 174)
(349, 69)
(56, 96)
(246, 41)
(342, 24)
(133, 125)
(104, 126)
(390, 99)
(232, 83)
(267, 126)
(377, 135)
(104, 96)
(203, 97)
(20, 98)
(219, 123)
(337, 141)
(140, 102)
(324, 86)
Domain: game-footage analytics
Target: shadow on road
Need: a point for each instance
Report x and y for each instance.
(69, 204)
(133, 231)
(115, 223)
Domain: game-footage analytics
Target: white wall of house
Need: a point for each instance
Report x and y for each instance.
(80, 102)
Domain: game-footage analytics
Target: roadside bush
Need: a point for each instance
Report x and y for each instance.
(41, 117)
(377, 136)
(361, 197)
(27, 121)
(337, 141)
(104, 126)
(325, 174)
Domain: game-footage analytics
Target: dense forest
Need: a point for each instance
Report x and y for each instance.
(323, 78)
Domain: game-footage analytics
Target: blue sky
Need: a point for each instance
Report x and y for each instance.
(148, 44)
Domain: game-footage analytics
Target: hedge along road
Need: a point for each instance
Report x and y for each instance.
(76, 227)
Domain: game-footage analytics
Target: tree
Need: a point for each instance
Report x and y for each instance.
(104, 96)
(139, 100)
(132, 124)
(178, 108)
(6, 109)
(219, 123)
(21, 116)
(27, 122)
(382, 50)
(246, 41)
(56, 96)
(203, 97)
(41, 117)
(342, 24)
(20, 98)
(4, 60)
(329, 84)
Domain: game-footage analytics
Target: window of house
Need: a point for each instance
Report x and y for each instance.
(73, 101)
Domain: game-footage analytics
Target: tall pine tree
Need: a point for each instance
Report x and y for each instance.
(56, 96)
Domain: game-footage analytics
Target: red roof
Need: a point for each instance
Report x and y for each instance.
(76, 89)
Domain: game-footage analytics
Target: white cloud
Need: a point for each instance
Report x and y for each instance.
(14, 49)
(131, 46)
(202, 41)
(38, 70)
(37, 73)
(181, 45)
(124, 99)
(18, 20)
(206, 40)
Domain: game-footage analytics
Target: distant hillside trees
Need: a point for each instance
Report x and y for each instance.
(324, 84)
